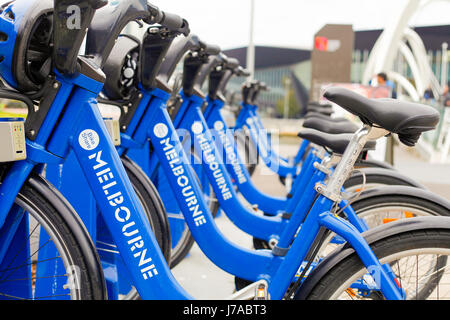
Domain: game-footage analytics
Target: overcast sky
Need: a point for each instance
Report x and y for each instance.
(292, 23)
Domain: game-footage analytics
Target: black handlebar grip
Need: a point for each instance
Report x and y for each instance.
(232, 63)
(156, 15)
(97, 4)
(263, 86)
(241, 72)
(169, 20)
(210, 49)
(172, 21)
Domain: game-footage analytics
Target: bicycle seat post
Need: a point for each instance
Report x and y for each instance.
(333, 188)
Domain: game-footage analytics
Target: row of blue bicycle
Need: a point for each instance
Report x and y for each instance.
(94, 208)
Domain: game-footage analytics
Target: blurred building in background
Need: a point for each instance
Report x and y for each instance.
(288, 71)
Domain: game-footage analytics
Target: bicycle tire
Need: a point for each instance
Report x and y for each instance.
(50, 219)
(388, 250)
(376, 211)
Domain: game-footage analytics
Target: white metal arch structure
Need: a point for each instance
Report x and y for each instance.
(392, 42)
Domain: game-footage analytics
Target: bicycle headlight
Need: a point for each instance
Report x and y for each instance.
(121, 69)
(26, 28)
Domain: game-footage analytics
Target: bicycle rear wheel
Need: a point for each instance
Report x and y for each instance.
(419, 260)
(381, 210)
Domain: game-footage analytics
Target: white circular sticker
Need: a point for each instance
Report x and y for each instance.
(249, 121)
(161, 130)
(197, 127)
(88, 139)
(218, 125)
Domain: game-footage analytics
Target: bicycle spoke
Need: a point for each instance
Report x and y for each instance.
(21, 248)
(34, 278)
(11, 273)
(28, 264)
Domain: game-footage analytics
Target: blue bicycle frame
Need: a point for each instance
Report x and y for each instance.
(249, 117)
(278, 270)
(75, 124)
(189, 116)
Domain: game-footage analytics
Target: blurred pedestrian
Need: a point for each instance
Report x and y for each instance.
(428, 94)
(446, 97)
(383, 80)
(384, 87)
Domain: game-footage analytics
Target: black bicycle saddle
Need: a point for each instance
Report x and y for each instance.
(325, 109)
(315, 114)
(408, 120)
(330, 126)
(337, 143)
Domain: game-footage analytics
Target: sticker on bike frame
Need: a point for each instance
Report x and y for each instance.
(197, 127)
(219, 126)
(88, 139)
(161, 130)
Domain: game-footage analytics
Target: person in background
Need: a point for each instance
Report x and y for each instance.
(382, 80)
(446, 97)
(382, 86)
(428, 94)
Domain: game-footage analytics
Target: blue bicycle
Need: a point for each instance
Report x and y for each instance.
(272, 229)
(147, 120)
(73, 122)
(191, 112)
(256, 144)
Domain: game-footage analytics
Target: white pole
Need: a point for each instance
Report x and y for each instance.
(251, 44)
(287, 84)
(444, 68)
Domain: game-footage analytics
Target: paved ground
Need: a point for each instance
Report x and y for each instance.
(204, 280)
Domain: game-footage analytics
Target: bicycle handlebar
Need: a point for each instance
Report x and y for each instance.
(241, 72)
(68, 38)
(97, 4)
(196, 72)
(220, 78)
(231, 63)
(176, 52)
(111, 20)
(210, 49)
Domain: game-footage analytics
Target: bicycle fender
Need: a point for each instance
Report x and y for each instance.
(151, 189)
(423, 194)
(382, 172)
(371, 163)
(372, 236)
(68, 213)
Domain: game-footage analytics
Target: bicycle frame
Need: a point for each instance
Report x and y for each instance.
(249, 117)
(88, 138)
(263, 227)
(302, 195)
(268, 204)
(157, 126)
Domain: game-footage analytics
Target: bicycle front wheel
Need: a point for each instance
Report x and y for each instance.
(40, 257)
